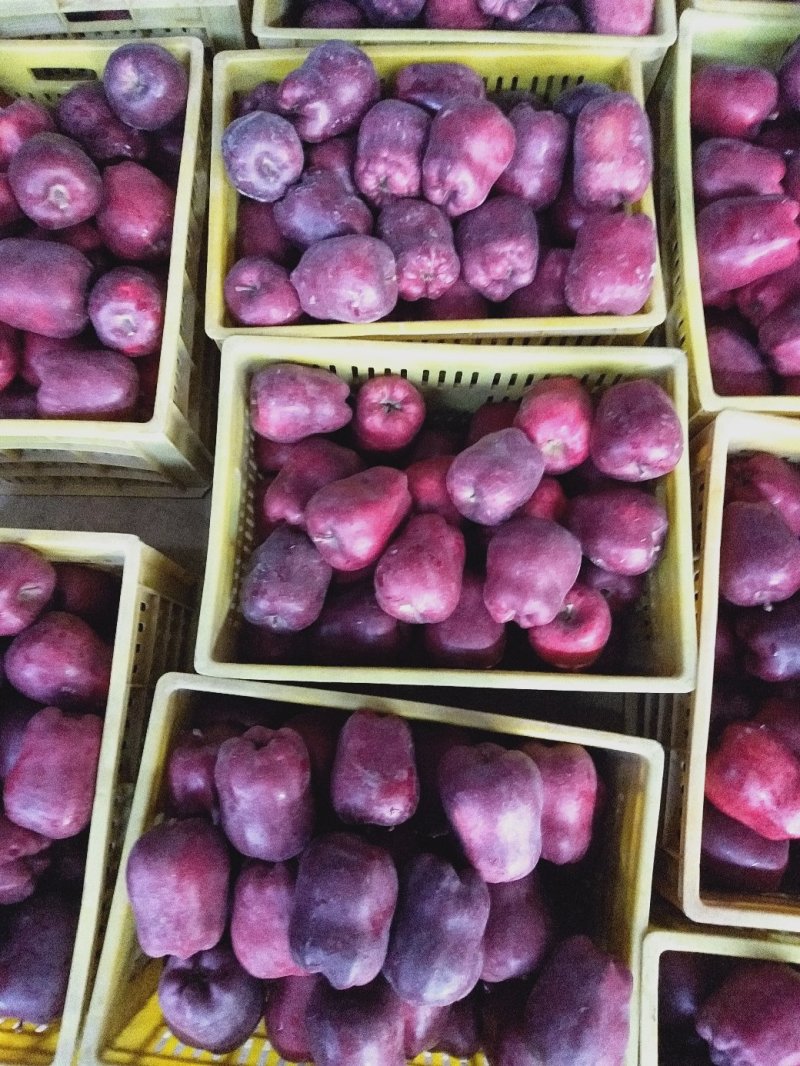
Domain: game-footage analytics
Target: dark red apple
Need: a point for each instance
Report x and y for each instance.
(389, 413)
(574, 639)
(556, 414)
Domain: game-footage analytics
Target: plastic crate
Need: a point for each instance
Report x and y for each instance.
(125, 1025)
(457, 381)
(152, 636)
(681, 724)
(169, 455)
(547, 70)
(219, 23)
(760, 9)
(705, 38)
(272, 30)
(669, 933)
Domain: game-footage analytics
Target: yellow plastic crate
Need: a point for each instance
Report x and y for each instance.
(548, 70)
(457, 381)
(219, 23)
(169, 455)
(272, 31)
(152, 635)
(681, 724)
(669, 933)
(760, 9)
(125, 1026)
(705, 38)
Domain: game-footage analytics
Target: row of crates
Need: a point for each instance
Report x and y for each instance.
(171, 453)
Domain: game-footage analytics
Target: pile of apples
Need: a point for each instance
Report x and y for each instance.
(87, 200)
(753, 768)
(631, 18)
(397, 887)
(395, 543)
(747, 197)
(435, 202)
(55, 667)
(728, 1012)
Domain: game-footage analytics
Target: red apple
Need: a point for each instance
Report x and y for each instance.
(389, 413)
(556, 414)
(574, 639)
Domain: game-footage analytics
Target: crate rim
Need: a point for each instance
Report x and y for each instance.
(650, 752)
(692, 20)
(426, 36)
(238, 354)
(769, 9)
(640, 324)
(625, 743)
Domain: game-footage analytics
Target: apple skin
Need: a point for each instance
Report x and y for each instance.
(344, 902)
(520, 931)
(636, 433)
(737, 859)
(357, 1026)
(51, 788)
(531, 564)
(556, 414)
(782, 715)
(490, 479)
(575, 638)
(35, 956)
(621, 528)
(418, 578)
(772, 641)
(765, 478)
(389, 413)
(146, 85)
(459, 1036)
(685, 981)
(759, 556)
(351, 521)
(178, 877)
(493, 799)
(754, 778)
(27, 581)
(571, 799)
(374, 779)
(435, 952)
(579, 1009)
(262, 902)
(752, 1016)
(469, 638)
(285, 1016)
(209, 1001)
(263, 781)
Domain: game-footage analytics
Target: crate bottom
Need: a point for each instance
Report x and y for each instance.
(147, 1041)
(26, 1044)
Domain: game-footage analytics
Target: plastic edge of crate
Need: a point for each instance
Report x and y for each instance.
(228, 487)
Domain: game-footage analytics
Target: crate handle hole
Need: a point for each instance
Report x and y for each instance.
(63, 74)
(120, 15)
